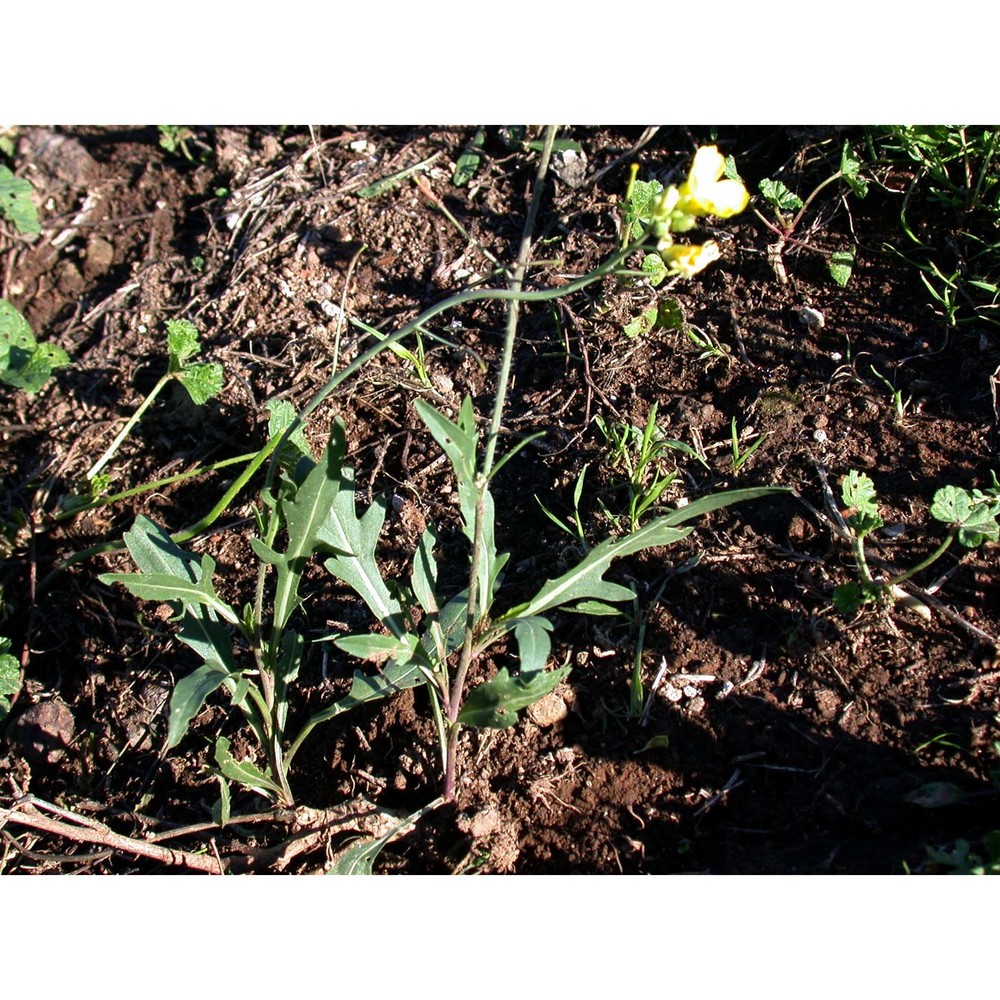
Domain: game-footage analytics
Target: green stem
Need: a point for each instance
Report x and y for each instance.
(65, 515)
(810, 199)
(932, 558)
(130, 423)
(516, 282)
(503, 378)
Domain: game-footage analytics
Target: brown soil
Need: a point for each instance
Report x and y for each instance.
(805, 740)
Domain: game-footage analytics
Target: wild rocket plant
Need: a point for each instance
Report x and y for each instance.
(422, 634)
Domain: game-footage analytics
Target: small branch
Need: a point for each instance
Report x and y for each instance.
(83, 829)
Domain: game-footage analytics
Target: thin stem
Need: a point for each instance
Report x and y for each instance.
(129, 424)
(932, 558)
(809, 200)
(503, 378)
(156, 484)
(516, 281)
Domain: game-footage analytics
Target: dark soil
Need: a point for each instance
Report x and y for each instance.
(805, 742)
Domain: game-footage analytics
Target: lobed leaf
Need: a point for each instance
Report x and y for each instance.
(840, 266)
(202, 381)
(182, 342)
(858, 491)
(10, 677)
(459, 441)
(282, 416)
(850, 167)
(306, 514)
(16, 202)
(380, 648)
(244, 771)
(495, 704)
(779, 196)
(354, 540)
(24, 363)
(165, 587)
(976, 517)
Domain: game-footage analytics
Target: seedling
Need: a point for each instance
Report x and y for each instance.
(201, 381)
(16, 203)
(712, 349)
(740, 458)
(416, 358)
(25, 363)
(639, 453)
(784, 202)
(573, 526)
(954, 168)
(971, 518)
(899, 405)
(174, 139)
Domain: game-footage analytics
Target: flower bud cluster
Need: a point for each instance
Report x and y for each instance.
(677, 210)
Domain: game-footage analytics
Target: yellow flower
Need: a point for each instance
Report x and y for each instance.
(689, 260)
(705, 193)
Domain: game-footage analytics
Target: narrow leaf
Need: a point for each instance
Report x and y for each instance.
(392, 680)
(359, 857)
(585, 580)
(305, 516)
(716, 501)
(423, 579)
(188, 697)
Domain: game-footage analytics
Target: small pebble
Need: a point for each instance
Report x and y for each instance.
(811, 318)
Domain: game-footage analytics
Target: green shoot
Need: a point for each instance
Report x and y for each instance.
(639, 453)
(740, 458)
(971, 518)
(573, 526)
(174, 139)
(471, 157)
(900, 405)
(202, 381)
